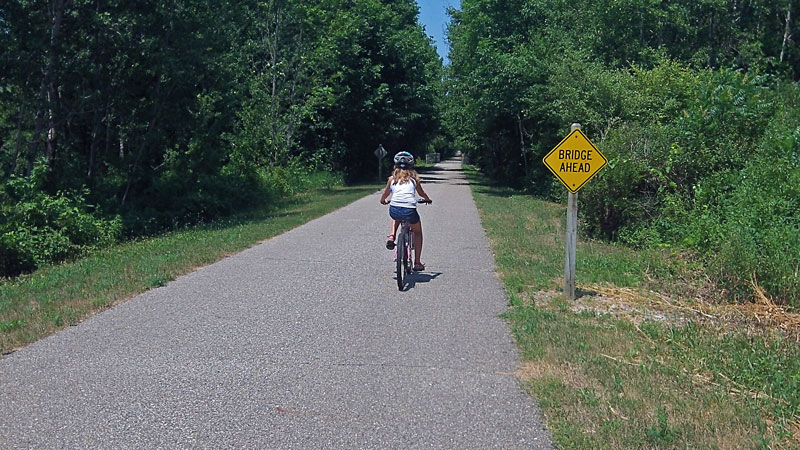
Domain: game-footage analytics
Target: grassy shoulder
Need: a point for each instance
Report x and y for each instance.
(58, 296)
(643, 359)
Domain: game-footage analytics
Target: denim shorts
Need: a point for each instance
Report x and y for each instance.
(409, 214)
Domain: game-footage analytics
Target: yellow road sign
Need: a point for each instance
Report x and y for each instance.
(575, 160)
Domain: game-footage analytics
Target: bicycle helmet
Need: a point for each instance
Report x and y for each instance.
(404, 160)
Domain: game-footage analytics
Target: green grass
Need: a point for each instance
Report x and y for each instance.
(609, 381)
(58, 296)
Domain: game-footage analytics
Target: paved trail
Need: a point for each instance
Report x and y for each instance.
(300, 342)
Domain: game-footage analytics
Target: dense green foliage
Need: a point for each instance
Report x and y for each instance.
(130, 118)
(696, 105)
(164, 113)
(39, 228)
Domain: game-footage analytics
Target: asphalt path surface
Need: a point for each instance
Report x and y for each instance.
(303, 341)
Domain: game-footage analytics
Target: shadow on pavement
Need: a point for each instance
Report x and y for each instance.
(421, 277)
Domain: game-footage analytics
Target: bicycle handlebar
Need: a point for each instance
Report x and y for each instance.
(426, 202)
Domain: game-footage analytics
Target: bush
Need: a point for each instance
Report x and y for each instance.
(720, 127)
(284, 181)
(760, 231)
(37, 228)
(176, 200)
(625, 197)
(715, 170)
(747, 221)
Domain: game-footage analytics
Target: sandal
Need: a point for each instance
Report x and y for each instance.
(418, 267)
(390, 242)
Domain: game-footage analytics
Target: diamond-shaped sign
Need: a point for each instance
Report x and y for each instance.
(575, 160)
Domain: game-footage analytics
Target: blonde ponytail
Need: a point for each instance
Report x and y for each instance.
(403, 175)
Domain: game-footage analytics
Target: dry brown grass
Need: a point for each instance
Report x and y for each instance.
(565, 372)
(761, 316)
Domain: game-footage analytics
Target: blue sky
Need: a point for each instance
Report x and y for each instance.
(432, 14)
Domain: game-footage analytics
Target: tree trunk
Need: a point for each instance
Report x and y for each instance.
(711, 58)
(96, 124)
(273, 54)
(297, 70)
(50, 81)
(522, 145)
(109, 120)
(151, 124)
(18, 145)
(143, 144)
(35, 147)
(787, 34)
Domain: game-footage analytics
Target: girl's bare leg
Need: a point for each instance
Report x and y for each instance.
(416, 230)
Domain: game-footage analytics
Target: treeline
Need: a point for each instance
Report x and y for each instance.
(122, 118)
(695, 103)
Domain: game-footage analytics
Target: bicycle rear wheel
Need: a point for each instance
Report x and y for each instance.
(407, 256)
(401, 256)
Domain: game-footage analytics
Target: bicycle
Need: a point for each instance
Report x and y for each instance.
(405, 251)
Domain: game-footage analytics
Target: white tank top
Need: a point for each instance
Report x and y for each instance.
(404, 195)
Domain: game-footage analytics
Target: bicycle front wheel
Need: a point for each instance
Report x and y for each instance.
(401, 252)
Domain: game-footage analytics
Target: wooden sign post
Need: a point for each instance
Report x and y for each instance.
(573, 161)
(572, 245)
(571, 238)
(380, 153)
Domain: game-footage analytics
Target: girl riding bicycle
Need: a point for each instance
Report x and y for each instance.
(403, 186)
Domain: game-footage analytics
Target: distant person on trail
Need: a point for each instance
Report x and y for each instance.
(403, 186)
